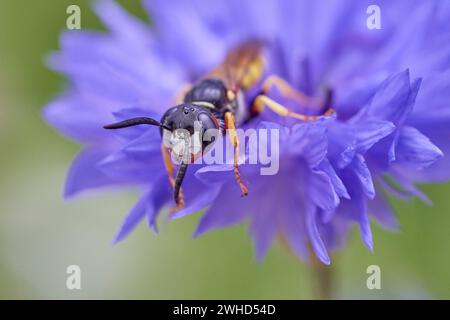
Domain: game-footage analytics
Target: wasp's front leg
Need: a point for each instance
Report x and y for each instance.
(178, 192)
(230, 126)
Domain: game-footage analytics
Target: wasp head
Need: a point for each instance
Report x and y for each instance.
(188, 130)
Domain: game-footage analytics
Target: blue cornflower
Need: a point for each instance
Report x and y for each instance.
(390, 94)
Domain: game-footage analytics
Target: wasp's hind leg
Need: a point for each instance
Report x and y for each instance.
(178, 192)
(230, 126)
(262, 100)
(286, 90)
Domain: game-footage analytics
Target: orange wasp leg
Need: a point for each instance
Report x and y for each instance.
(263, 101)
(286, 90)
(230, 126)
(169, 168)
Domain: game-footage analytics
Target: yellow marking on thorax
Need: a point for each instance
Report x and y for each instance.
(205, 104)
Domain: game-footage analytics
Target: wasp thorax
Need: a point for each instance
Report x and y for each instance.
(212, 91)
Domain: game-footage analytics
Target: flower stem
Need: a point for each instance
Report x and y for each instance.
(322, 279)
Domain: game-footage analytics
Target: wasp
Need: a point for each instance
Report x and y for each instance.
(217, 102)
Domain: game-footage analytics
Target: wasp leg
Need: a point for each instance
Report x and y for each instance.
(298, 96)
(177, 193)
(286, 90)
(262, 101)
(185, 88)
(230, 126)
(179, 199)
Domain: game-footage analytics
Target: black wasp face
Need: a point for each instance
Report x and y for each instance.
(185, 126)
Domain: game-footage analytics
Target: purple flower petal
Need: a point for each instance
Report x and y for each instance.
(133, 218)
(119, 165)
(84, 173)
(370, 132)
(337, 183)
(394, 100)
(380, 209)
(199, 199)
(122, 24)
(314, 235)
(415, 149)
(293, 229)
(362, 172)
(72, 115)
(262, 232)
(309, 141)
(220, 216)
(321, 191)
(185, 44)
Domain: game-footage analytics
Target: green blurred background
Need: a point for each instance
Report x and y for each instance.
(40, 234)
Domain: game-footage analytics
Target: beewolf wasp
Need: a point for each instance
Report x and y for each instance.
(216, 101)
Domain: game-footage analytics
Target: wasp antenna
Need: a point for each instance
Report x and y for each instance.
(135, 122)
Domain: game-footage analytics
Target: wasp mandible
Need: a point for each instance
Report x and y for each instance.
(217, 102)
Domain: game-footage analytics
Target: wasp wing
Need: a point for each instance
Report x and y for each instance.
(242, 67)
